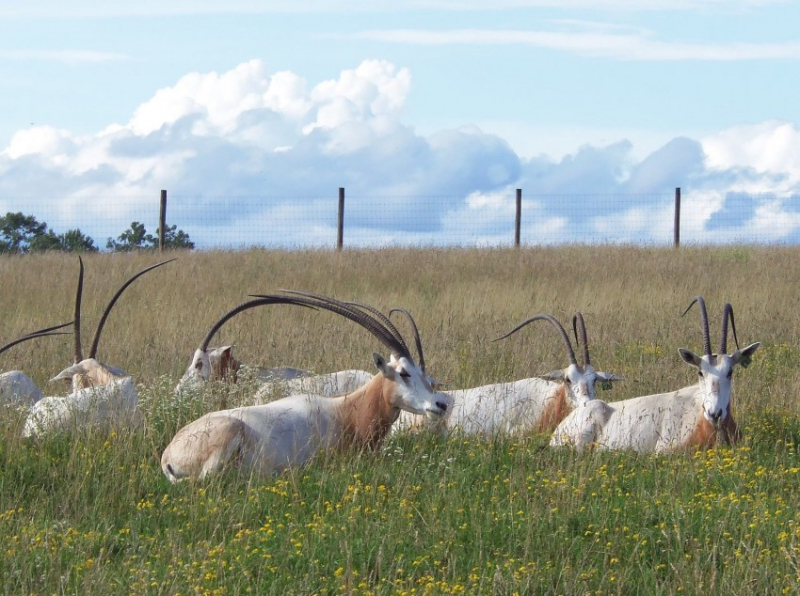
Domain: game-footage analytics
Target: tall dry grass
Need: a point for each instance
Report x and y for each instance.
(93, 514)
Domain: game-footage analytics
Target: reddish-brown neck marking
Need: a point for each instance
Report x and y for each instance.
(555, 411)
(367, 414)
(704, 434)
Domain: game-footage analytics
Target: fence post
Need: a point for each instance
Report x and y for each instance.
(162, 221)
(518, 220)
(676, 241)
(340, 225)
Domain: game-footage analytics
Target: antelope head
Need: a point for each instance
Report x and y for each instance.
(715, 371)
(89, 372)
(413, 390)
(210, 364)
(579, 380)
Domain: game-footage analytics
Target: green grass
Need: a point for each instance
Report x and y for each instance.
(93, 514)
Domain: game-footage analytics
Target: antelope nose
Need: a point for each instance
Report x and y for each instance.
(442, 406)
(715, 416)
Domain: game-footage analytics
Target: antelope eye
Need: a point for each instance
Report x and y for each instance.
(198, 364)
(730, 373)
(404, 374)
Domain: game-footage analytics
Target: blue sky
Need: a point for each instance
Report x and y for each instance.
(105, 105)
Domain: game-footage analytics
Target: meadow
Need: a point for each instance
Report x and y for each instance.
(93, 514)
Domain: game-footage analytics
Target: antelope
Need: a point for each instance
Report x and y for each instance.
(16, 387)
(209, 364)
(289, 432)
(113, 404)
(89, 372)
(535, 404)
(102, 395)
(688, 418)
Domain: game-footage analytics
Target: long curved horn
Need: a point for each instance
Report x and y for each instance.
(101, 324)
(235, 311)
(703, 322)
(578, 324)
(34, 334)
(383, 318)
(727, 314)
(76, 340)
(415, 331)
(555, 323)
(359, 316)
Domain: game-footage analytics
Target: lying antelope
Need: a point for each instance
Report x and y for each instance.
(16, 387)
(691, 417)
(89, 372)
(535, 404)
(289, 432)
(102, 395)
(209, 364)
(102, 406)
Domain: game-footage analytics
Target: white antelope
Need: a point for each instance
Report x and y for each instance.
(688, 418)
(289, 432)
(17, 388)
(535, 404)
(102, 395)
(209, 364)
(89, 372)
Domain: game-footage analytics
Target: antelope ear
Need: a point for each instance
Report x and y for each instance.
(68, 373)
(382, 365)
(555, 375)
(690, 357)
(745, 355)
(607, 380)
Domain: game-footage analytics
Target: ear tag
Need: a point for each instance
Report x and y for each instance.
(605, 384)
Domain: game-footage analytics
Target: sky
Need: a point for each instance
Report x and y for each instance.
(253, 113)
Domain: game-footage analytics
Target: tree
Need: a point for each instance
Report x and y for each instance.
(76, 241)
(137, 238)
(17, 231)
(22, 234)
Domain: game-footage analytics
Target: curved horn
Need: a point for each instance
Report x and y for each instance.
(34, 334)
(555, 323)
(76, 340)
(578, 324)
(383, 318)
(703, 322)
(415, 331)
(101, 324)
(235, 311)
(727, 314)
(359, 316)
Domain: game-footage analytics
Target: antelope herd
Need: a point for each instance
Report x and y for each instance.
(358, 409)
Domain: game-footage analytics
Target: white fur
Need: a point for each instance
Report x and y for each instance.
(660, 422)
(17, 388)
(288, 432)
(110, 405)
(329, 385)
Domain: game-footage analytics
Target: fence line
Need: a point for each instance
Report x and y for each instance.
(476, 219)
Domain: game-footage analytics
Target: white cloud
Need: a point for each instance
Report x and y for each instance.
(769, 148)
(596, 41)
(250, 156)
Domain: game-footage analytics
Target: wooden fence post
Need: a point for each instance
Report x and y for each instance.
(676, 241)
(340, 225)
(518, 220)
(162, 221)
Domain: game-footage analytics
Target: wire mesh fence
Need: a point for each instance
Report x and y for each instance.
(480, 219)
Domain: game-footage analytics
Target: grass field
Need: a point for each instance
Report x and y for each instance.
(93, 514)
